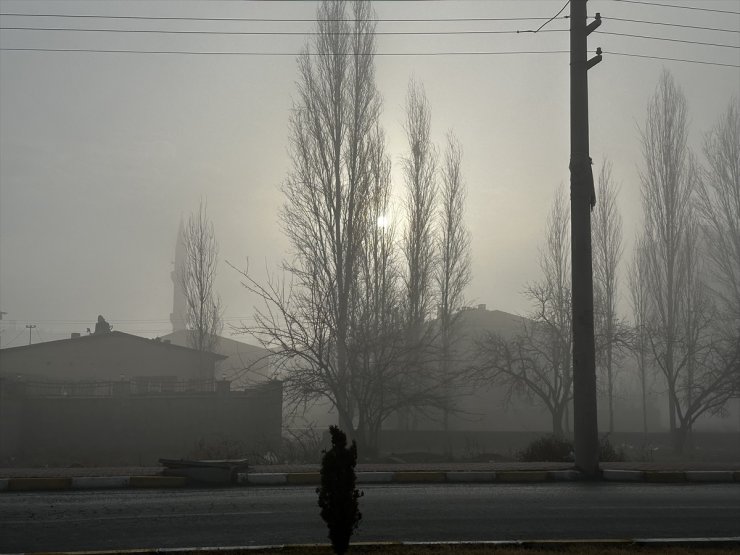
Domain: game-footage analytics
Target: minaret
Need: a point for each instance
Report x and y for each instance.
(177, 317)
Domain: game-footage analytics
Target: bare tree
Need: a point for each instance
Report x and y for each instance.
(418, 245)
(537, 363)
(696, 390)
(700, 372)
(197, 277)
(327, 195)
(668, 181)
(719, 207)
(453, 271)
(640, 301)
(334, 320)
(384, 382)
(419, 170)
(607, 252)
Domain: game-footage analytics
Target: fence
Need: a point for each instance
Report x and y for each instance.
(137, 386)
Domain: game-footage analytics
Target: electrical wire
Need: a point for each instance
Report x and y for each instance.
(671, 24)
(279, 33)
(669, 59)
(276, 19)
(394, 54)
(237, 53)
(276, 33)
(676, 6)
(668, 39)
(549, 20)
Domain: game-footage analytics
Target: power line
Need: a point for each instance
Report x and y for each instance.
(387, 54)
(280, 33)
(549, 20)
(676, 6)
(670, 59)
(672, 24)
(669, 39)
(236, 53)
(276, 19)
(277, 33)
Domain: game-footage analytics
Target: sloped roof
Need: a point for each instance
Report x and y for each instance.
(225, 345)
(84, 339)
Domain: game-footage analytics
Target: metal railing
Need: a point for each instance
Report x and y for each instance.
(12, 387)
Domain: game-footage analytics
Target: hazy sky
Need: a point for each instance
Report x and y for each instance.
(101, 154)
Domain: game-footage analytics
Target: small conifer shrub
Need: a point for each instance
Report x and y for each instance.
(338, 497)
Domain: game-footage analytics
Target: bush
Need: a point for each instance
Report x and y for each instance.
(548, 448)
(338, 497)
(217, 447)
(607, 453)
(554, 449)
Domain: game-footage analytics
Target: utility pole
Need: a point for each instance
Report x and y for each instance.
(582, 200)
(30, 328)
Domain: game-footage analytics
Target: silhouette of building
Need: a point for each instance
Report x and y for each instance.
(112, 356)
(120, 399)
(244, 365)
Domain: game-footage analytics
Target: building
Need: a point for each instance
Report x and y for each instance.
(244, 365)
(113, 398)
(112, 356)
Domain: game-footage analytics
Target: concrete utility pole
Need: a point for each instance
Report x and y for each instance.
(30, 328)
(582, 200)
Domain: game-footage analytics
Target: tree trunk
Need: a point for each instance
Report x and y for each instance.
(557, 421)
(610, 382)
(644, 398)
(680, 436)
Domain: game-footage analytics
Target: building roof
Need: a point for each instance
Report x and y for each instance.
(85, 339)
(224, 345)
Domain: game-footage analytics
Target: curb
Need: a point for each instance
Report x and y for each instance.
(397, 477)
(108, 482)
(91, 482)
(523, 544)
(623, 475)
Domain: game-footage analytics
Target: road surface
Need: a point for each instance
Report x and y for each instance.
(77, 520)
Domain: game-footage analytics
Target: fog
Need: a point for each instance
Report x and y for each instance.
(103, 154)
(115, 134)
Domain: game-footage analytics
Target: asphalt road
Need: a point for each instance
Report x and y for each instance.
(77, 520)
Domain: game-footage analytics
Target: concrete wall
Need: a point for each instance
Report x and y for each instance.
(138, 430)
(106, 357)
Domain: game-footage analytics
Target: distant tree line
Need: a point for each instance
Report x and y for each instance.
(683, 281)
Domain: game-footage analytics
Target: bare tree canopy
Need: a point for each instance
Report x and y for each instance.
(684, 343)
(538, 363)
(203, 317)
(668, 181)
(719, 206)
(640, 303)
(453, 271)
(337, 320)
(419, 170)
(453, 268)
(607, 252)
(327, 198)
